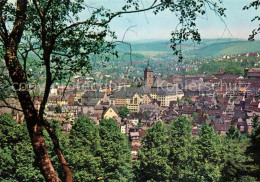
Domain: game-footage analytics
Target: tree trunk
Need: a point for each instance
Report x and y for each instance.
(32, 118)
(63, 162)
(18, 75)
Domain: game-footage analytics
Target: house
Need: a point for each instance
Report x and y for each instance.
(253, 73)
(147, 99)
(198, 121)
(110, 112)
(54, 91)
(221, 128)
(130, 97)
(195, 131)
(18, 116)
(85, 110)
(188, 111)
(79, 96)
(160, 83)
(135, 138)
(66, 127)
(252, 54)
(132, 119)
(133, 103)
(120, 98)
(168, 115)
(96, 96)
(152, 108)
(99, 110)
(249, 126)
(165, 96)
(241, 125)
(123, 128)
(215, 113)
(229, 110)
(63, 100)
(134, 151)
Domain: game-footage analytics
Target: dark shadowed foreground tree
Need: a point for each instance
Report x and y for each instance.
(235, 163)
(63, 43)
(254, 149)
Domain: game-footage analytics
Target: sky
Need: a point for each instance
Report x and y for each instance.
(148, 26)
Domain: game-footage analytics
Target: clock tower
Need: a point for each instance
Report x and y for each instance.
(148, 76)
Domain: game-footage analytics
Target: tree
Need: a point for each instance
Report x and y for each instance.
(235, 162)
(85, 150)
(58, 109)
(254, 148)
(195, 115)
(153, 157)
(181, 150)
(233, 133)
(123, 111)
(63, 44)
(255, 4)
(208, 155)
(178, 100)
(116, 159)
(16, 154)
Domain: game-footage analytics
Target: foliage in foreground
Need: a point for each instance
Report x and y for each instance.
(169, 153)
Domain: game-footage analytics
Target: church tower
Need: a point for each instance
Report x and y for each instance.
(148, 76)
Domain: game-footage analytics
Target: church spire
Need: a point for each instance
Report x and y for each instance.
(148, 76)
(148, 68)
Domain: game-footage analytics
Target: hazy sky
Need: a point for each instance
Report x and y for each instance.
(149, 26)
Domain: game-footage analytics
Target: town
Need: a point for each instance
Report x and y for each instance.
(220, 100)
(130, 91)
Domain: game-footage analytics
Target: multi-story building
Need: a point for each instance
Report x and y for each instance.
(133, 103)
(165, 96)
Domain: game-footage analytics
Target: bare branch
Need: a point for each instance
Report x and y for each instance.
(63, 94)
(109, 19)
(47, 50)
(130, 47)
(11, 108)
(128, 29)
(7, 105)
(210, 4)
(61, 54)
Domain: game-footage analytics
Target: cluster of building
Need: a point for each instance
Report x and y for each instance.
(220, 100)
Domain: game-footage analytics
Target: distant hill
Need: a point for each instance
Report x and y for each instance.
(207, 47)
(145, 47)
(225, 48)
